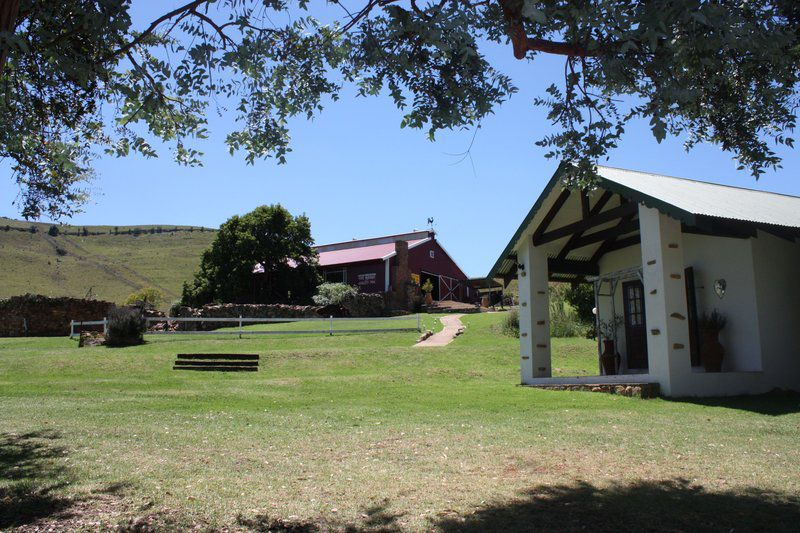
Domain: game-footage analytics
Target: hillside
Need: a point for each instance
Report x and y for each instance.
(111, 261)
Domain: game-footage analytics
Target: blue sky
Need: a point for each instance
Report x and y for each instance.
(355, 173)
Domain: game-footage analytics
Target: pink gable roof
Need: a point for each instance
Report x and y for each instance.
(356, 255)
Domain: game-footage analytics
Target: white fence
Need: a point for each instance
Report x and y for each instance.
(78, 323)
(328, 325)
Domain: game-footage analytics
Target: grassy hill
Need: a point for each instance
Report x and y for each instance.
(111, 261)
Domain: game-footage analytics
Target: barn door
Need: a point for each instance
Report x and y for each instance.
(448, 288)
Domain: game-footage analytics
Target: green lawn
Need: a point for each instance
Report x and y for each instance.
(366, 432)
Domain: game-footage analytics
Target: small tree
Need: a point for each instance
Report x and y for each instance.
(53, 231)
(147, 297)
(268, 236)
(427, 287)
(334, 293)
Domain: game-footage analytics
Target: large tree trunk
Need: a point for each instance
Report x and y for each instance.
(9, 10)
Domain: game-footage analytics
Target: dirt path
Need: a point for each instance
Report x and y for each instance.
(452, 325)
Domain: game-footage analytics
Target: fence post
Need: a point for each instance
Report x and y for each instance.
(419, 322)
(25, 326)
(71, 328)
(331, 325)
(240, 326)
(105, 325)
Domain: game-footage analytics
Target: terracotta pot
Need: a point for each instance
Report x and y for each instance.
(428, 298)
(711, 351)
(608, 358)
(485, 301)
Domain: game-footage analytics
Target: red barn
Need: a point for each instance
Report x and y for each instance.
(373, 265)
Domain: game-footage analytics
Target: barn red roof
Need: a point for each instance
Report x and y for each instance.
(362, 253)
(360, 250)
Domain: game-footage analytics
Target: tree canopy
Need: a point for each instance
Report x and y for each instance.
(268, 236)
(79, 78)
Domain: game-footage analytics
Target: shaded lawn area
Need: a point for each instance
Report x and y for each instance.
(365, 432)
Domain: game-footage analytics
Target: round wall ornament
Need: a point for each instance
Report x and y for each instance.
(719, 287)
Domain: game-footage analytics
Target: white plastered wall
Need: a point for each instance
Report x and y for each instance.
(777, 275)
(729, 259)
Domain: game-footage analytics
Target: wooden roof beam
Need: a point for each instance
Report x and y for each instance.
(572, 266)
(598, 206)
(620, 227)
(587, 223)
(551, 214)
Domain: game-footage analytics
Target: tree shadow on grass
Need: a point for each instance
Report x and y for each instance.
(31, 473)
(775, 403)
(375, 518)
(663, 506)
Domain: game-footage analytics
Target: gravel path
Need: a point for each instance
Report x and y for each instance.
(452, 324)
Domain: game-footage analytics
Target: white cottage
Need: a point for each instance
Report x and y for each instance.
(661, 252)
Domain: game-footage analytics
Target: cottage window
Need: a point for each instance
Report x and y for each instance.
(431, 254)
(335, 276)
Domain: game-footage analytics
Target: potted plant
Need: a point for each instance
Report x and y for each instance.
(711, 350)
(608, 332)
(427, 288)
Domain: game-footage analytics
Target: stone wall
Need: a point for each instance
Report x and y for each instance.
(364, 305)
(41, 316)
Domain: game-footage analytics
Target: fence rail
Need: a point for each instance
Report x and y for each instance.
(330, 323)
(347, 325)
(74, 323)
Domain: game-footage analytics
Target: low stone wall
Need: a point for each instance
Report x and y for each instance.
(245, 310)
(41, 316)
(636, 390)
(365, 305)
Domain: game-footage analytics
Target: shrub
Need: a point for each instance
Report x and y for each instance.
(125, 327)
(427, 287)
(146, 297)
(334, 293)
(175, 308)
(564, 318)
(510, 324)
(581, 297)
(53, 231)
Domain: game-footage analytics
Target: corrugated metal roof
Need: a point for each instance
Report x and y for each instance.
(710, 199)
(360, 254)
(679, 197)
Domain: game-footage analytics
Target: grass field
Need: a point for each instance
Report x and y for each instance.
(111, 265)
(365, 432)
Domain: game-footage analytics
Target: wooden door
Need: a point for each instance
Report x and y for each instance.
(635, 326)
